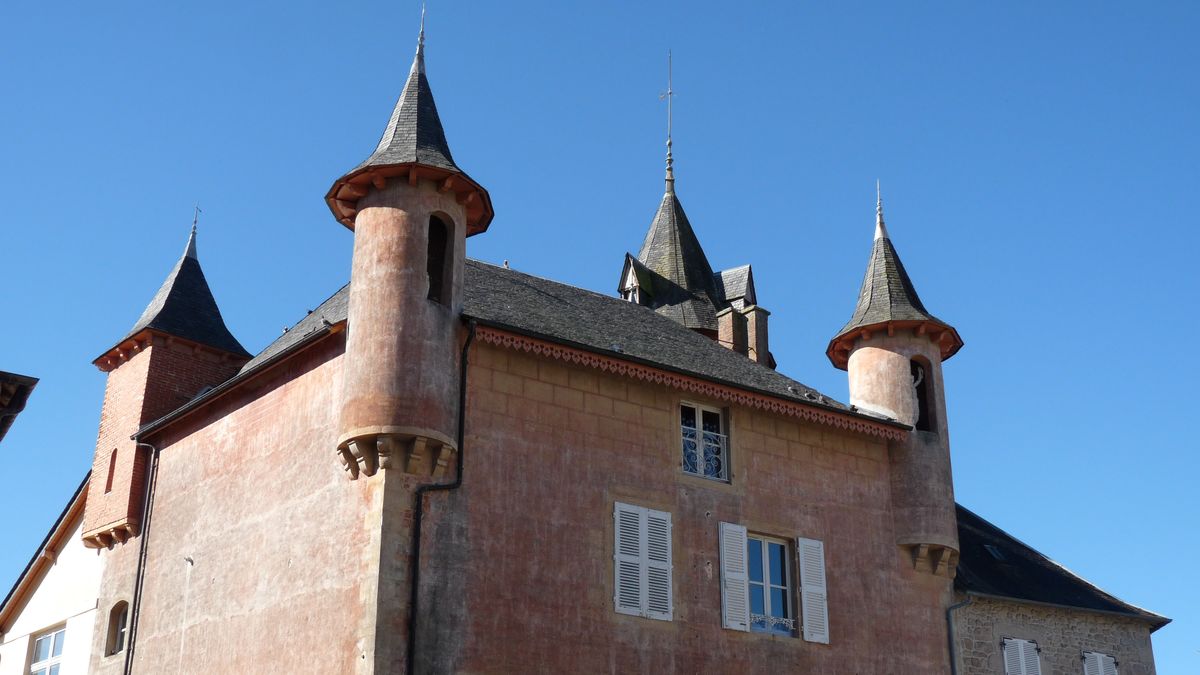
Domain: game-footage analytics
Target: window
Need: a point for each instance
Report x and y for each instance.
(770, 586)
(112, 468)
(922, 379)
(118, 620)
(47, 653)
(1095, 663)
(438, 261)
(642, 562)
(1021, 657)
(705, 443)
(756, 584)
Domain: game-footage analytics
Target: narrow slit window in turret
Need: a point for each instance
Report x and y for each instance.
(437, 265)
(922, 385)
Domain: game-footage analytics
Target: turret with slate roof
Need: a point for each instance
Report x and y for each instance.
(411, 209)
(892, 349)
(178, 349)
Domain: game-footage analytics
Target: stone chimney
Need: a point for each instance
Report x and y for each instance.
(731, 330)
(755, 318)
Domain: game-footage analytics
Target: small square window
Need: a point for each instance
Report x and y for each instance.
(705, 441)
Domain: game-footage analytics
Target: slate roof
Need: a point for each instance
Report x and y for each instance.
(1019, 572)
(14, 393)
(736, 286)
(887, 293)
(414, 133)
(576, 317)
(672, 251)
(184, 307)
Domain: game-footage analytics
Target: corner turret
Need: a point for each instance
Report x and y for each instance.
(892, 349)
(178, 347)
(411, 209)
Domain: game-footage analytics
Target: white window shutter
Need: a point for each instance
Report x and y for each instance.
(658, 565)
(814, 605)
(735, 581)
(1030, 658)
(1092, 663)
(629, 589)
(1108, 665)
(1012, 657)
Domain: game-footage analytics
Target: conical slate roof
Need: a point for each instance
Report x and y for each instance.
(184, 307)
(887, 294)
(672, 251)
(414, 146)
(414, 133)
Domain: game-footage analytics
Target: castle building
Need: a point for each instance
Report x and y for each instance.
(451, 466)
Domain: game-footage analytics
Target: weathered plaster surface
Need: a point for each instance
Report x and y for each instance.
(279, 539)
(519, 561)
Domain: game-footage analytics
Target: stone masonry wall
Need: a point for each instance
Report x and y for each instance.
(518, 569)
(1062, 634)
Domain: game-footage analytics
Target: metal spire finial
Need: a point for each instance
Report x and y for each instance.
(669, 96)
(190, 250)
(880, 229)
(419, 61)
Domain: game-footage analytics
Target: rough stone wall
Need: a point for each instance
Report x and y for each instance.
(518, 566)
(1062, 634)
(282, 562)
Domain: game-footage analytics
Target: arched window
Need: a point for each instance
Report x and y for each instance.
(922, 378)
(438, 263)
(118, 623)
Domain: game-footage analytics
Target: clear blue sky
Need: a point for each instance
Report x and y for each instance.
(1039, 164)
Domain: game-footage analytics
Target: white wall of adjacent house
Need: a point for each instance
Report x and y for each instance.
(64, 597)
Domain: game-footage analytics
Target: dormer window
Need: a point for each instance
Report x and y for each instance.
(631, 295)
(630, 292)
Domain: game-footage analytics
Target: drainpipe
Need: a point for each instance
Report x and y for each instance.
(147, 509)
(419, 507)
(950, 634)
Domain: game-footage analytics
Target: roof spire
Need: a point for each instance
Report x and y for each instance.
(190, 250)
(419, 61)
(880, 229)
(669, 96)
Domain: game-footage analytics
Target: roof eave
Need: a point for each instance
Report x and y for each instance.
(342, 197)
(1156, 621)
(943, 334)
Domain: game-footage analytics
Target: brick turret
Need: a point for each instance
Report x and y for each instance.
(178, 348)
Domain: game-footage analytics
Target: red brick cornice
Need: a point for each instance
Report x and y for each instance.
(611, 364)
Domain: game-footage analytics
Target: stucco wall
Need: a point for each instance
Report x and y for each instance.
(66, 594)
(1061, 634)
(518, 570)
(279, 539)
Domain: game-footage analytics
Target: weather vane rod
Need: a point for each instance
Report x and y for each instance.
(669, 95)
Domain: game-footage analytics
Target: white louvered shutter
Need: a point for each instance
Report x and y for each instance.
(1108, 665)
(627, 559)
(1012, 657)
(658, 565)
(735, 582)
(1092, 663)
(1030, 658)
(814, 605)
